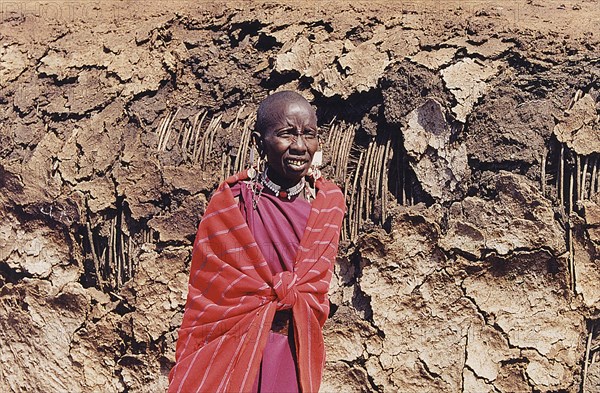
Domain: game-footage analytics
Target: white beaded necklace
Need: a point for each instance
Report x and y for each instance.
(276, 188)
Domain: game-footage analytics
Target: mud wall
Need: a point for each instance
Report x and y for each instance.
(465, 135)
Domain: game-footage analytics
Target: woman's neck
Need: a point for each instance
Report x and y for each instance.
(281, 182)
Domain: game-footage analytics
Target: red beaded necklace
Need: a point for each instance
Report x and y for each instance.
(277, 189)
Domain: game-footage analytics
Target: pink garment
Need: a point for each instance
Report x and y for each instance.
(277, 225)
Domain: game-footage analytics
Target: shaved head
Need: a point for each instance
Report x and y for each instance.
(286, 134)
(270, 108)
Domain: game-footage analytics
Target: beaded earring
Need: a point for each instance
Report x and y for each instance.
(252, 170)
(316, 163)
(257, 163)
(256, 170)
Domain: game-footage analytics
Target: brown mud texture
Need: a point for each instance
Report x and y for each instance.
(465, 136)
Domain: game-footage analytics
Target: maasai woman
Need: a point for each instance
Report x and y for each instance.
(261, 267)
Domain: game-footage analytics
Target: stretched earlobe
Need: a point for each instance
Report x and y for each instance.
(317, 159)
(257, 141)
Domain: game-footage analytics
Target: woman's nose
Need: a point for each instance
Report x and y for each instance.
(298, 144)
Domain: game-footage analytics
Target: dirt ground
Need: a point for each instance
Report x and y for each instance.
(465, 134)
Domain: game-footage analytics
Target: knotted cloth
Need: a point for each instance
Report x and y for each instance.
(284, 285)
(233, 296)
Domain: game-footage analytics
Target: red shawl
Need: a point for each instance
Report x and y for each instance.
(233, 296)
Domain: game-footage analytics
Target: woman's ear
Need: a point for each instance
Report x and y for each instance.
(257, 141)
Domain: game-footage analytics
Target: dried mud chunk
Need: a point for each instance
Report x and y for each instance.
(10, 182)
(418, 327)
(39, 330)
(55, 64)
(473, 384)
(157, 293)
(307, 58)
(580, 127)
(341, 289)
(490, 48)
(526, 301)
(517, 218)
(141, 184)
(592, 382)
(361, 66)
(486, 350)
(592, 210)
(12, 63)
(283, 35)
(89, 150)
(139, 69)
(93, 90)
(28, 95)
(434, 60)
(141, 370)
(586, 252)
(148, 77)
(40, 185)
(28, 134)
(396, 41)
(591, 214)
(509, 127)
(440, 165)
(346, 336)
(407, 86)
(92, 146)
(545, 374)
(511, 378)
(467, 80)
(38, 253)
(188, 178)
(101, 193)
(32, 251)
(419, 309)
(148, 108)
(409, 253)
(180, 226)
(94, 351)
(342, 377)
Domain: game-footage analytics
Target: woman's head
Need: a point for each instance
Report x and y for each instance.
(286, 133)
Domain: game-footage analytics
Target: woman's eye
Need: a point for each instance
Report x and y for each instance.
(285, 133)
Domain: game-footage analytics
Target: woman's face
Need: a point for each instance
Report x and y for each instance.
(289, 141)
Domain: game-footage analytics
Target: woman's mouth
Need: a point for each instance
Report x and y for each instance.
(296, 164)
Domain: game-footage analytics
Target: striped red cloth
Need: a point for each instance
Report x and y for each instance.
(233, 296)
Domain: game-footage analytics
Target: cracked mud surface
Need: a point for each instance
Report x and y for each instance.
(465, 135)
